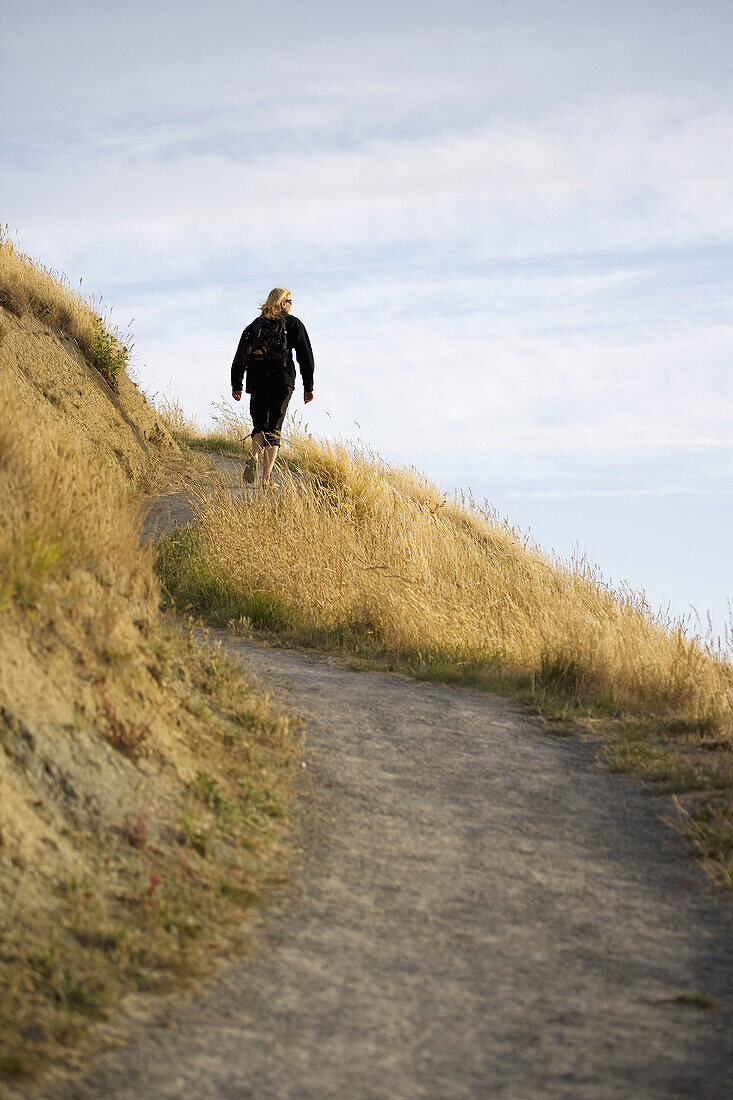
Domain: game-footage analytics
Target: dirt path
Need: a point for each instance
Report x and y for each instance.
(477, 911)
(172, 510)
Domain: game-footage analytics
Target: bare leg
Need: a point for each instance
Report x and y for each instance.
(268, 463)
(258, 445)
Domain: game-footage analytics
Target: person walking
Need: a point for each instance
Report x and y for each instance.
(265, 355)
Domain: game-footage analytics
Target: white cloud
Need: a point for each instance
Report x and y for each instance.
(651, 174)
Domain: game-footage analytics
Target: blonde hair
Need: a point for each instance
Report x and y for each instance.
(273, 307)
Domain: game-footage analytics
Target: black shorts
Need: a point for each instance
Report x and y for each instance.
(267, 407)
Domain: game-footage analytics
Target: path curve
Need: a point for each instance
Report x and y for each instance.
(166, 513)
(477, 910)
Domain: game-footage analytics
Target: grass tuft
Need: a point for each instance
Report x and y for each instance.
(708, 828)
(196, 587)
(110, 355)
(695, 1000)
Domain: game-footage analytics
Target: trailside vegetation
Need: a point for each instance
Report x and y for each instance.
(356, 556)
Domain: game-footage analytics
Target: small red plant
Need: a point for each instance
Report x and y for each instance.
(126, 737)
(155, 881)
(136, 831)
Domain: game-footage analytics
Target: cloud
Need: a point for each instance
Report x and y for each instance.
(651, 174)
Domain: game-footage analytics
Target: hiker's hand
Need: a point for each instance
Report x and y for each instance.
(237, 395)
(308, 396)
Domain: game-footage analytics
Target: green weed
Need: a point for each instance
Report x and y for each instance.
(109, 355)
(193, 835)
(636, 749)
(28, 563)
(695, 1000)
(194, 586)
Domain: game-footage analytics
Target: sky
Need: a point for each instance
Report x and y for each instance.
(507, 226)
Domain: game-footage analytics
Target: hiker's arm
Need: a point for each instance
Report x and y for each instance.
(238, 369)
(304, 355)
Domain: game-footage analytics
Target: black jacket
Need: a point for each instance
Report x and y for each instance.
(298, 342)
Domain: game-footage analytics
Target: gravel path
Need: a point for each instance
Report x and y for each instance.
(477, 910)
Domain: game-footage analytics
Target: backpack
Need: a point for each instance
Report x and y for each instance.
(266, 350)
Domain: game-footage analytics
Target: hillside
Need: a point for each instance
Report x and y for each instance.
(371, 561)
(142, 781)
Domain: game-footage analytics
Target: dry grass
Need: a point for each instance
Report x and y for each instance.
(56, 523)
(142, 778)
(352, 548)
(226, 437)
(708, 827)
(177, 421)
(27, 287)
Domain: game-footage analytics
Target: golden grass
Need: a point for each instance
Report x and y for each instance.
(62, 516)
(176, 420)
(349, 547)
(26, 286)
(226, 437)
